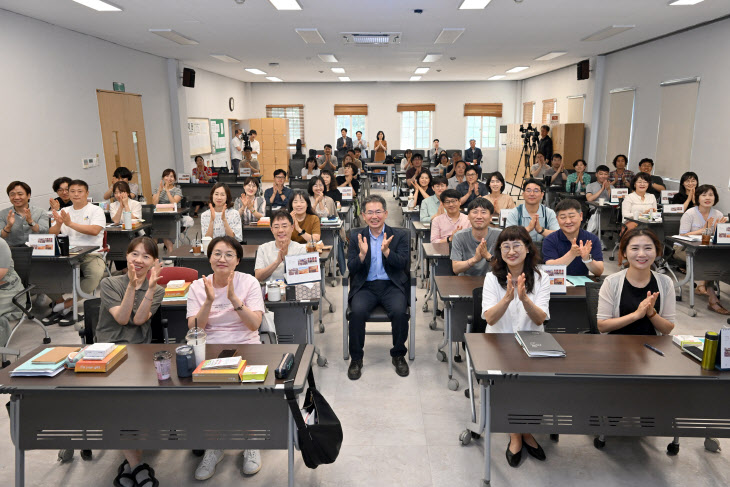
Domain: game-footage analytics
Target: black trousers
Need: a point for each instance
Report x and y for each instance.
(234, 166)
(386, 294)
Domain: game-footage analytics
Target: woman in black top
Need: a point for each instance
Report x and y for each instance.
(687, 187)
(60, 186)
(423, 189)
(330, 186)
(350, 178)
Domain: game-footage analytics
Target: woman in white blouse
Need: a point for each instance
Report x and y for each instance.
(639, 201)
(516, 297)
(123, 202)
(310, 169)
(221, 218)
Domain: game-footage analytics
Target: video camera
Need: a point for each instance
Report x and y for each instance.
(530, 134)
(244, 137)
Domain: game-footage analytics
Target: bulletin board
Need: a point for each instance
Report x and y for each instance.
(199, 136)
(217, 135)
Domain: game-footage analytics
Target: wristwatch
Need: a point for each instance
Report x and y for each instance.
(590, 259)
(541, 230)
(302, 233)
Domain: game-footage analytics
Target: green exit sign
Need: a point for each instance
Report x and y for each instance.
(118, 86)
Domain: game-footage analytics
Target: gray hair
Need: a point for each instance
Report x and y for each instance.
(374, 198)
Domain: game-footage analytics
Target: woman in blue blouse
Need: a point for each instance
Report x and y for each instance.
(579, 177)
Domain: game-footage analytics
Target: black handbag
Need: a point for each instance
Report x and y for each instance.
(320, 442)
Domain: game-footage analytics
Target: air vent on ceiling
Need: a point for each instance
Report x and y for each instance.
(371, 39)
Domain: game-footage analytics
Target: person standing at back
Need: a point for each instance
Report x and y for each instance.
(344, 144)
(473, 156)
(545, 145)
(236, 151)
(380, 146)
(361, 144)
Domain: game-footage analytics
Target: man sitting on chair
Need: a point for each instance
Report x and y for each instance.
(378, 262)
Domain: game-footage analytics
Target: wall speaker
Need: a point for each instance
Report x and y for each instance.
(188, 79)
(584, 70)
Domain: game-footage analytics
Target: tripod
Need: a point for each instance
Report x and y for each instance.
(529, 150)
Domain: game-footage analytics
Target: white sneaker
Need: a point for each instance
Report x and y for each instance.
(206, 468)
(251, 462)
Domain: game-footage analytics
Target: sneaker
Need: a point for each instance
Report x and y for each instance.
(206, 468)
(401, 366)
(354, 371)
(251, 462)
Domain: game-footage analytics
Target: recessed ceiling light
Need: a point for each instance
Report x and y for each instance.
(310, 36)
(344, 78)
(496, 77)
(550, 55)
(448, 36)
(174, 36)
(608, 32)
(422, 70)
(684, 2)
(254, 71)
(338, 70)
(328, 58)
(273, 78)
(414, 78)
(431, 58)
(473, 4)
(99, 6)
(286, 4)
(517, 69)
(225, 58)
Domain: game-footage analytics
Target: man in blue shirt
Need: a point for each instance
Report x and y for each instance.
(378, 261)
(538, 219)
(571, 246)
(278, 195)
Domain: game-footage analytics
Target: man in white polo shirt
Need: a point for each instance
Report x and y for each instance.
(84, 224)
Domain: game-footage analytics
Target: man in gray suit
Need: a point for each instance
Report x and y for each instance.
(344, 144)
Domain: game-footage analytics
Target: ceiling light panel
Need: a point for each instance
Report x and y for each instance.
(255, 71)
(225, 58)
(676, 3)
(607, 32)
(422, 70)
(431, 58)
(310, 36)
(551, 55)
(174, 36)
(344, 78)
(496, 77)
(473, 4)
(99, 6)
(273, 78)
(415, 78)
(286, 4)
(338, 70)
(517, 69)
(328, 58)
(448, 36)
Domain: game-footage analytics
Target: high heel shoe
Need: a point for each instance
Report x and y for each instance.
(513, 459)
(535, 452)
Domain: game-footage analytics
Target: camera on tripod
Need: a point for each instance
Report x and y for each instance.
(530, 135)
(244, 138)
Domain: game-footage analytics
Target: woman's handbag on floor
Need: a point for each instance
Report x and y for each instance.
(320, 436)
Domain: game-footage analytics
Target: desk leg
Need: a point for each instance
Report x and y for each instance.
(598, 219)
(487, 413)
(432, 325)
(290, 448)
(75, 283)
(177, 231)
(691, 274)
(15, 436)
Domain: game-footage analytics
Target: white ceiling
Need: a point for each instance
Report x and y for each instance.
(504, 35)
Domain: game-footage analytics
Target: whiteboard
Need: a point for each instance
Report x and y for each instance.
(199, 136)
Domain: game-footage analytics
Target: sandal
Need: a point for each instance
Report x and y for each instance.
(701, 290)
(124, 479)
(717, 308)
(52, 319)
(150, 481)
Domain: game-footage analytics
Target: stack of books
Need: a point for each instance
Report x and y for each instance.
(219, 370)
(264, 221)
(166, 208)
(539, 344)
(93, 361)
(47, 363)
(176, 289)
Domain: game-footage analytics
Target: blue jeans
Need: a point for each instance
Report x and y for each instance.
(234, 165)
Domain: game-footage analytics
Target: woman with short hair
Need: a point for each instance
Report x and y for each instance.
(220, 218)
(249, 206)
(496, 196)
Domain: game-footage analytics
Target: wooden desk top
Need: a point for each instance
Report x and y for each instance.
(183, 252)
(434, 250)
(498, 355)
(461, 288)
(137, 370)
(253, 228)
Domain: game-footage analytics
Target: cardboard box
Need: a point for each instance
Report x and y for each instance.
(281, 125)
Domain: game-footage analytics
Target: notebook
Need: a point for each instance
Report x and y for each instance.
(539, 344)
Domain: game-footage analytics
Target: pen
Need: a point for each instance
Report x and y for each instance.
(656, 350)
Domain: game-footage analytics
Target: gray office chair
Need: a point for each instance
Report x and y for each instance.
(295, 167)
(379, 315)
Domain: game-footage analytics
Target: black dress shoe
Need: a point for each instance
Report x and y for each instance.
(401, 366)
(535, 452)
(354, 371)
(513, 459)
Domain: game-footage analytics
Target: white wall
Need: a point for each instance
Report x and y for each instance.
(699, 52)
(560, 84)
(382, 99)
(209, 99)
(50, 116)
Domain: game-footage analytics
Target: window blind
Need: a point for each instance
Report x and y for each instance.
(351, 109)
(620, 122)
(548, 108)
(416, 107)
(676, 127)
(295, 115)
(483, 110)
(527, 110)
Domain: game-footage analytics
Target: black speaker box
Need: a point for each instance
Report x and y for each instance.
(188, 78)
(584, 70)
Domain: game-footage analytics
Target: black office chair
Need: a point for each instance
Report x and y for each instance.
(670, 227)
(21, 263)
(226, 177)
(295, 167)
(592, 290)
(379, 315)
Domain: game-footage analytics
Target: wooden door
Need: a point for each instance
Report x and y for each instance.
(123, 136)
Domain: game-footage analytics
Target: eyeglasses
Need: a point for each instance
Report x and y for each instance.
(62, 190)
(533, 191)
(374, 213)
(517, 247)
(228, 255)
(451, 201)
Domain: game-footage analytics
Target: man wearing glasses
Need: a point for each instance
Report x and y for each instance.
(378, 262)
(538, 220)
(571, 246)
(472, 248)
(278, 195)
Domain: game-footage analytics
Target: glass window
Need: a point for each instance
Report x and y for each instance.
(483, 130)
(415, 130)
(295, 115)
(352, 123)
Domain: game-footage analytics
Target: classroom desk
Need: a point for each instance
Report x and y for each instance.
(130, 408)
(423, 234)
(51, 275)
(562, 395)
(439, 257)
(600, 209)
(346, 215)
(117, 238)
(256, 234)
(183, 257)
(330, 235)
(411, 215)
(388, 171)
(704, 263)
(167, 224)
(655, 226)
(288, 322)
(201, 192)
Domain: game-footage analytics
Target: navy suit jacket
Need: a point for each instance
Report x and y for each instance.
(343, 145)
(470, 155)
(397, 264)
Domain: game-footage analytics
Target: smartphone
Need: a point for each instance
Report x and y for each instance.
(230, 352)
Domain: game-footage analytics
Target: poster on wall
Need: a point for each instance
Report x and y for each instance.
(199, 136)
(217, 135)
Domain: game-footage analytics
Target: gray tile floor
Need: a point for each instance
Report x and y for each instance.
(403, 431)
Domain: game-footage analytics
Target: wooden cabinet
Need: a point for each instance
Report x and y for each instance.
(273, 135)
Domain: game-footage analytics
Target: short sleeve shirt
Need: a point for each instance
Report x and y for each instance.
(268, 253)
(112, 294)
(464, 246)
(88, 215)
(21, 229)
(557, 245)
(176, 191)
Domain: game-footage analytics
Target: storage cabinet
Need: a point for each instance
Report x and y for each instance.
(273, 135)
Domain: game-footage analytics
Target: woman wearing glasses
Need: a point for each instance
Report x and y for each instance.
(249, 206)
(229, 306)
(516, 297)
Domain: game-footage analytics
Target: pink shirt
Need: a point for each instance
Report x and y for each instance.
(442, 226)
(224, 325)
